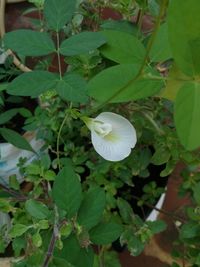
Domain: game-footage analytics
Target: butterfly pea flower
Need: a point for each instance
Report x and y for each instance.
(113, 136)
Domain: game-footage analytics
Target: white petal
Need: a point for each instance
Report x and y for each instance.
(109, 150)
(119, 147)
(121, 127)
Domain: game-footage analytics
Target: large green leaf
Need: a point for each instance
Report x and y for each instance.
(72, 88)
(123, 47)
(82, 43)
(15, 139)
(161, 49)
(37, 209)
(184, 27)
(32, 83)
(105, 233)
(187, 114)
(116, 84)
(58, 13)
(75, 254)
(91, 208)
(67, 191)
(29, 43)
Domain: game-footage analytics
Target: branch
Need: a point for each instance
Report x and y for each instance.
(167, 213)
(52, 243)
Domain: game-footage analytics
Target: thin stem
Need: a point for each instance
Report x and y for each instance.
(139, 20)
(58, 139)
(152, 121)
(52, 243)
(58, 55)
(101, 257)
(169, 214)
(153, 36)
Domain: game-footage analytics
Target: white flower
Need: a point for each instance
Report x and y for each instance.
(112, 135)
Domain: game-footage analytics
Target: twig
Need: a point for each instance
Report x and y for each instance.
(168, 213)
(52, 243)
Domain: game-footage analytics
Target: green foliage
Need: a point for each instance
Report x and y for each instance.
(67, 192)
(187, 112)
(77, 256)
(38, 83)
(29, 43)
(75, 197)
(72, 88)
(58, 13)
(189, 230)
(123, 48)
(18, 230)
(121, 26)
(161, 50)
(105, 233)
(184, 38)
(91, 208)
(36, 209)
(82, 43)
(120, 84)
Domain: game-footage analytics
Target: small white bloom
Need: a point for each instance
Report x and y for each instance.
(112, 135)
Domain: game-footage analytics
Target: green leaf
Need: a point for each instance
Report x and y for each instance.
(117, 84)
(72, 88)
(76, 255)
(161, 49)
(157, 226)
(67, 191)
(82, 43)
(32, 83)
(196, 193)
(123, 48)
(29, 43)
(105, 233)
(18, 244)
(15, 139)
(187, 114)
(37, 209)
(8, 115)
(183, 26)
(37, 240)
(58, 13)
(161, 156)
(91, 208)
(134, 244)
(18, 230)
(190, 230)
(120, 25)
(125, 210)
